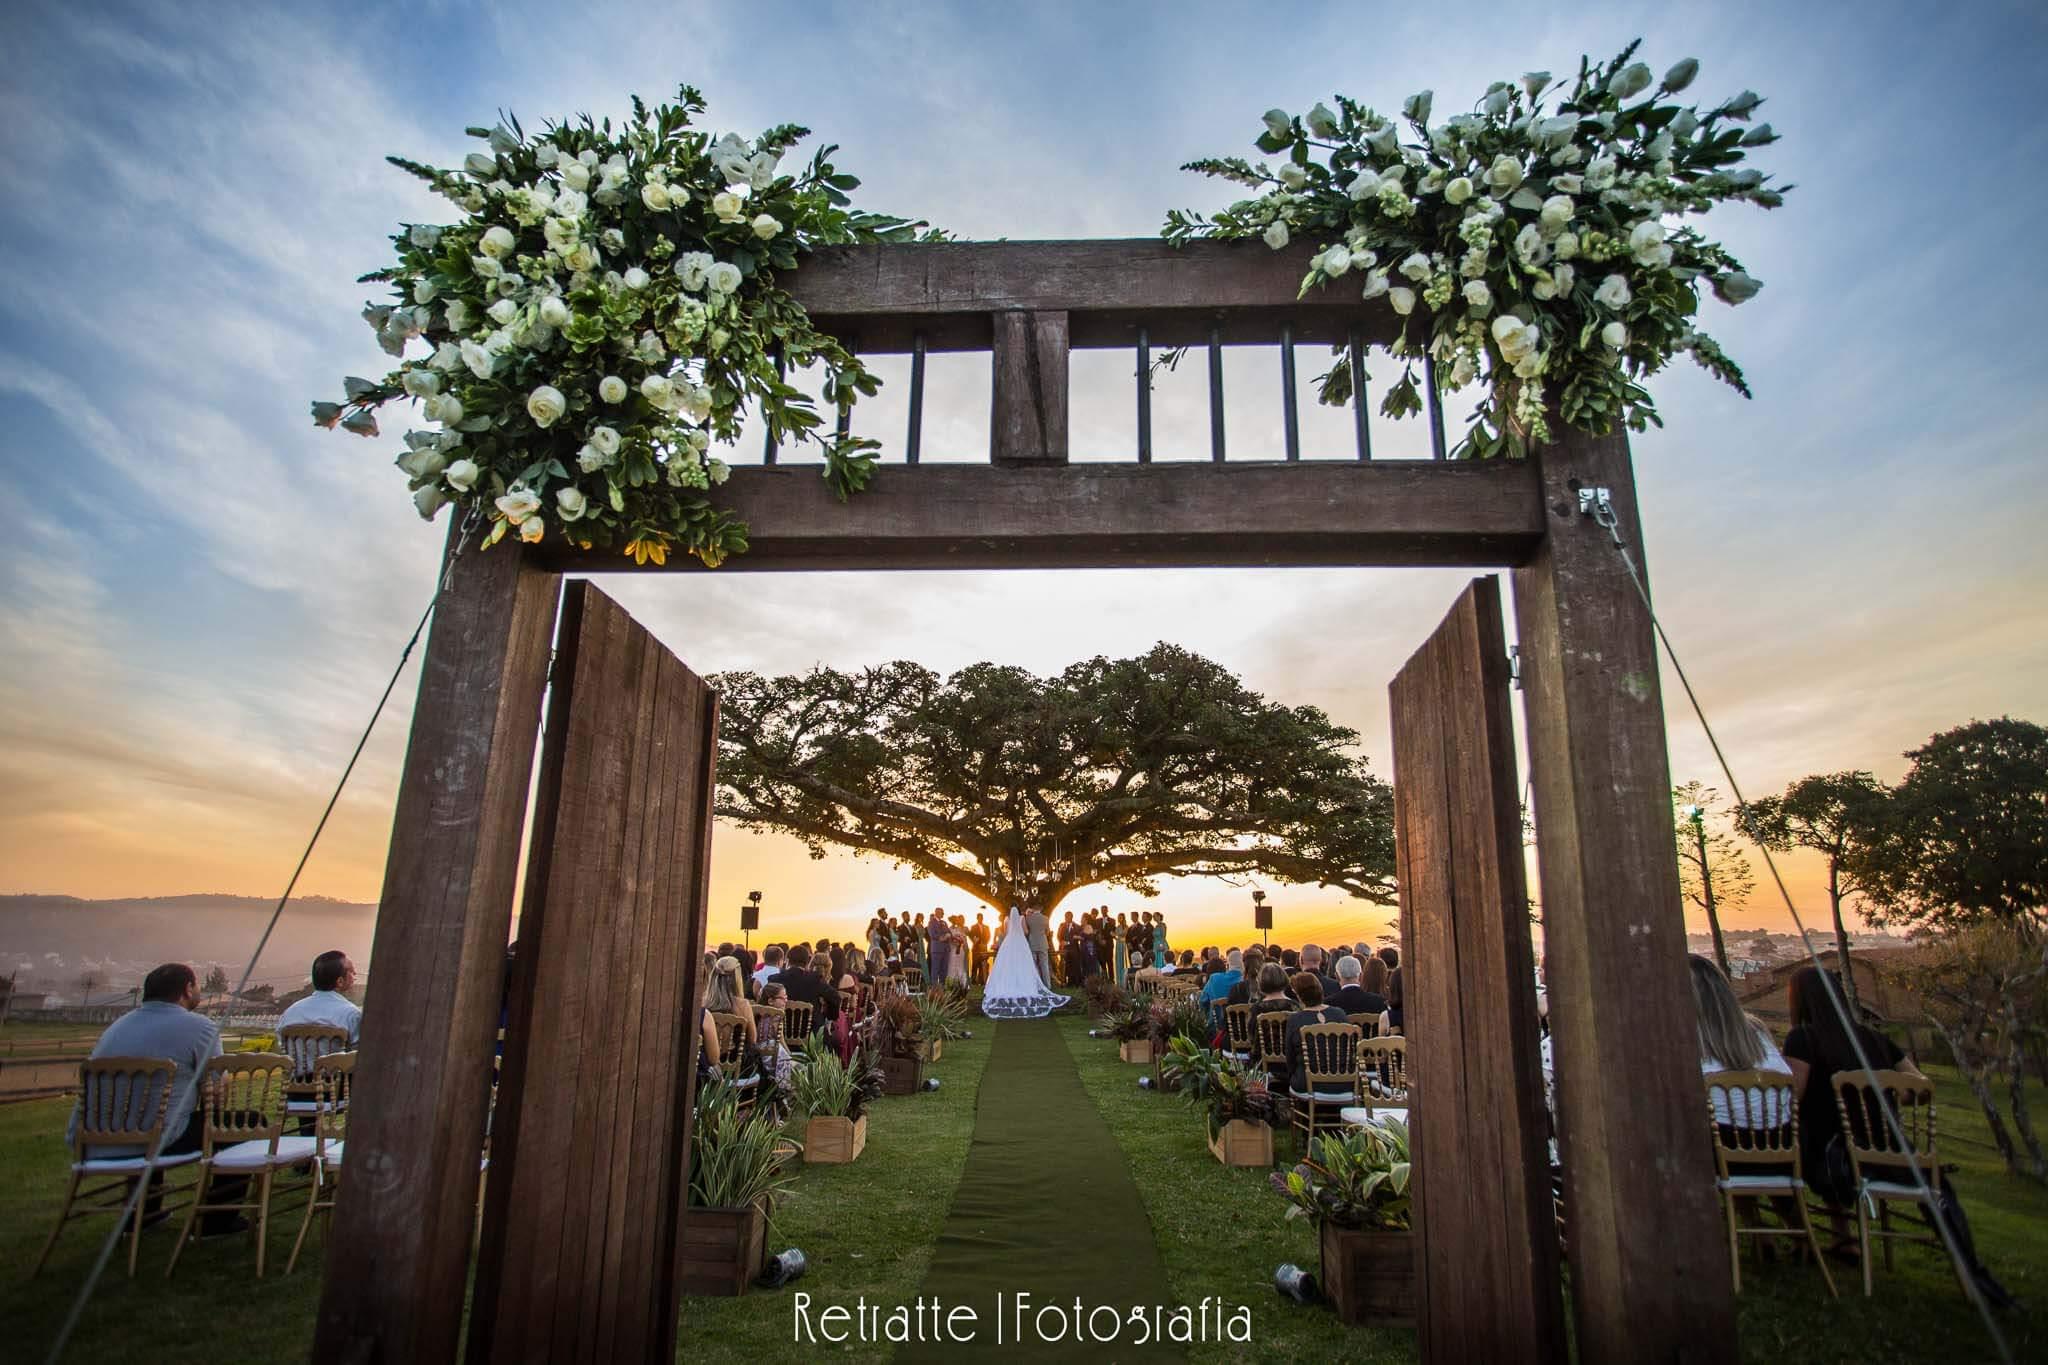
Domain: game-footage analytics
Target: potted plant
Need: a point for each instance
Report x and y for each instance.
(831, 1097)
(1105, 997)
(1171, 1017)
(897, 1038)
(1131, 1026)
(1236, 1099)
(739, 1171)
(1354, 1184)
(941, 1015)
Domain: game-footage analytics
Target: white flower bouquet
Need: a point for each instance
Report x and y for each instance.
(1542, 242)
(599, 319)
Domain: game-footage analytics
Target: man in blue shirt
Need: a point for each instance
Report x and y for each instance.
(1216, 990)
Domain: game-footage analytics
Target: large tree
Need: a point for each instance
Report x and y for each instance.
(1837, 815)
(1020, 790)
(1967, 840)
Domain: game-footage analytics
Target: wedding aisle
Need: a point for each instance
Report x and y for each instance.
(1046, 1208)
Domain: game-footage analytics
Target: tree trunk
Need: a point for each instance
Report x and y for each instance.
(1973, 1072)
(2036, 1166)
(1707, 900)
(1842, 941)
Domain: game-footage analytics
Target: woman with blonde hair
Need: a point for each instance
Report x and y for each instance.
(727, 994)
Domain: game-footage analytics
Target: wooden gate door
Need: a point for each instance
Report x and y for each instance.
(590, 1143)
(1485, 1235)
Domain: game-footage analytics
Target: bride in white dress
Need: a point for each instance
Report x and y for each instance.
(1014, 990)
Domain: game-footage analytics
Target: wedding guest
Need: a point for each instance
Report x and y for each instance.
(1120, 949)
(707, 1031)
(1352, 997)
(333, 976)
(1162, 951)
(1308, 989)
(1375, 979)
(725, 994)
(1216, 990)
(807, 987)
(1273, 998)
(1312, 962)
(1390, 1022)
(936, 945)
(779, 1061)
(855, 971)
(835, 964)
(977, 938)
(1247, 986)
(1816, 1049)
(1391, 956)
(771, 966)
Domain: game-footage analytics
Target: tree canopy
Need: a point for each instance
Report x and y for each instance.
(1021, 790)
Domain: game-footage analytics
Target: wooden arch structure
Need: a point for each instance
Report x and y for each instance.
(588, 1171)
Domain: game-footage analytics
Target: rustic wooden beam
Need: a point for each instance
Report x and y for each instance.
(1486, 1280)
(1629, 1104)
(1160, 515)
(398, 1255)
(1028, 396)
(950, 291)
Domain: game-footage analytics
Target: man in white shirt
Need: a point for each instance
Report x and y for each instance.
(771, 966)
(333, 975)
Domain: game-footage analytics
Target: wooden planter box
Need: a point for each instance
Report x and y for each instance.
(1243, 1142)
(902, 1075)
(1369, 1276)
(834, 1141)
(1138, 1050)
(723, 1250)
(930, 1051)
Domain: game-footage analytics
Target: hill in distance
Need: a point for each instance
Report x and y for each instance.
(51, 940)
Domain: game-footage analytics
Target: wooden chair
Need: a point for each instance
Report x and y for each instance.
(122, 1102)
(857, 1002)
(1271, 1028)
(1237, 1032)
(796, 1020)
(306, 1044)
(333, 1078)
(1883, 1169)
(1756, 1155)
(734, 1059)
(1383, 1071)
(913, 980)
(1329, 1065)
(243, 1095)
(768, 1025)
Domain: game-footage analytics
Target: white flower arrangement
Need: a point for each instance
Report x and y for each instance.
(600, 316)
(1543, 244)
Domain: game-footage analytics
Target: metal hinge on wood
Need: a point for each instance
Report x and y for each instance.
(1515, 666)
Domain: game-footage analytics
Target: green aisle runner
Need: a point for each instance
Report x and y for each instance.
(1046, 1209)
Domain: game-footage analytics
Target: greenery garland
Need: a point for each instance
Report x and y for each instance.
(1537, 240)
(600, 316)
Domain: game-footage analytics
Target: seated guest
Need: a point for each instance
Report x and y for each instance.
(1291, 960)
(1391, 956)
(1817, 1047)
(1216, 990)
(1375, 978)
(1390, 1022)
(856, 971)
(1272, 999)
(1312, 961)
(1248, 986)
(748, 965)
(1732, 1041)
(164, 1025)
(1352, 997)
(774, 996)
(770, 968)
(726, 995)
(807, 987)
(333, 976)
(1308, 989)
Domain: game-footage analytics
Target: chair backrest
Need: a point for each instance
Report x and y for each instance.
(1272, 1026)
(768, 1023)
(856, 1001)
(334, 1076)
(1761, 1123)
(1179, 984)
(1329, 1056)
(732, 1037)
(243, 1094)
(1237, 1027)
(796, 1019)
(306, 1044)
(913, 979)
(1873, 1152)
(1383, 1068)
(122, 1102)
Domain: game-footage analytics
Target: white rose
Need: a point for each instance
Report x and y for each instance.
(532, 529)
(1364, 185)
(1570, 154)
(1600, 172)
(1615, 335)
(518, 503)
(1403, 299)
(657, 390)
(503, 311)
(766, 226)
(462, 475)
(582, 256)
(1534, 81)
(1375, 284)
(606, 439)
(421, 383)
(1278, 123)
(1459, 190)
(723, 277)
(590, 459)
(1566, 246)
(423, 291)
(1612, 293)
(1630, 81)
(612, 389)
(1293, 176)
(1416, 267)
(761, 170)
(1515, 337)
(554, 311)
(545, 404)
(428, 500)
(1384, 139)
(1680, 76)
(560, 234)
(1321, 121)
(1504, 174)
(1496, 102)
(495, 242)
(576, 175)
(486, 267)
(447, 357)
(480, 359)
(1736, 287)
(1543, 288)
(1529, 245)
(1477, 296)
(425, 236)
(1644, 236)
(545, 155)
(655, 196)
(726, 205)
(1275, 235)
(570, 204)
(694, 269)
(635, 279)
(1558, 210)
(1567, 184)
(1335, 261)
(1416, 107)
(1564, 276)
(570, 502)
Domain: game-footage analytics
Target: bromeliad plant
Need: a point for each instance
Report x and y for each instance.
(599, 318)
(1131, 1021)
(1226, 1087)
(823, 1087)
(736, 1160)
(942, 1013)
(1355, 1178)
(1174, 1017)
(1541, 233)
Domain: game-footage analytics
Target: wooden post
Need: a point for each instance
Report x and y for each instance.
(1028, 415)
(1649, 1270)
(398, 1257)
(1486, 1282)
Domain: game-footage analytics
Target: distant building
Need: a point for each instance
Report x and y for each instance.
(1879, 996)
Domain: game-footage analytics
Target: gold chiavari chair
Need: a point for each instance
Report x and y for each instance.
(244, 1098)
(1756, 1154)
(1883, 1169)
(333, 1077)
(1329, 1065)
(122, 1102)
(1383, 1071)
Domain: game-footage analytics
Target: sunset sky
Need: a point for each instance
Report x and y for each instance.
(201, 594)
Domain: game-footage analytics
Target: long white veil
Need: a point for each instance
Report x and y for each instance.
(1014, 990)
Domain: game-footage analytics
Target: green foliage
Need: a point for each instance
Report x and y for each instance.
(736, 1160)
(1177, 1018)
(1131, 1019)
(1104, 996)
(822, 1086)
(942, 1013)
(1019, 789)
(1216, 1082)
(1357, 1177)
